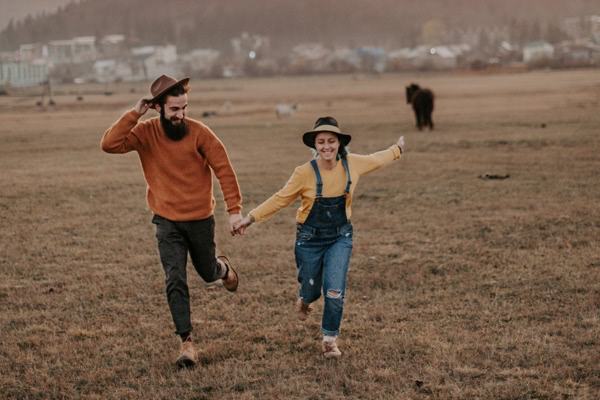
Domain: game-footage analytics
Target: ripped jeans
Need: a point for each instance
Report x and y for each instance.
(322, 258)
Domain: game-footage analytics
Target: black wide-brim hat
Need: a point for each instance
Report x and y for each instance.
(325, 124)
(163, 84)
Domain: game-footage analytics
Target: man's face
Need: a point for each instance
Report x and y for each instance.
(172, 117)
(174, 108)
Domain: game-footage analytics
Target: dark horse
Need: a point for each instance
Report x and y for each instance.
(422, 102)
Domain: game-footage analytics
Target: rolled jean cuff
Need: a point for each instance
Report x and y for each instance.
(330, 333)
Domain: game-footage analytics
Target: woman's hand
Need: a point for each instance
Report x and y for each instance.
(233, 219)
(240, 226)
(400, 144)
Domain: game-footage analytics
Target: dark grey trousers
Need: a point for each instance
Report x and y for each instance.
(175, 240)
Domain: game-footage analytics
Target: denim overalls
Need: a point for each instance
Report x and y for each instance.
(322, 249)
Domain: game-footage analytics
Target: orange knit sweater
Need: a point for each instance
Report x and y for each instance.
(178, 173)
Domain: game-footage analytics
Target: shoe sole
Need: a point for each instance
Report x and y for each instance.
(231, 269)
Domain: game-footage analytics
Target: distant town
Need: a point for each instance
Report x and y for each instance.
(115, 58)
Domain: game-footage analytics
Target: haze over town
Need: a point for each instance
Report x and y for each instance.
(103, 41)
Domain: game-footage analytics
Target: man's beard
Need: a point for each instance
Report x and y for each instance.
(173, 132)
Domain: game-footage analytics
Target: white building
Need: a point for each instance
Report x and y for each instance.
(537, 51)
(199, 61)
(368, 59)
(578, 54)
(104, 70)
(310, 57)
(77, 50)
(31, 52)
(149, 62)
(114, 45)
(427, 57)
(22, 74)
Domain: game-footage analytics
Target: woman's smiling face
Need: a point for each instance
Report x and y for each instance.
(327, 145)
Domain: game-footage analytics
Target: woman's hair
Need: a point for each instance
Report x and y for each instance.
(342, 151)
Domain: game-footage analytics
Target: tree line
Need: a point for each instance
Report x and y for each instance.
(212, 23)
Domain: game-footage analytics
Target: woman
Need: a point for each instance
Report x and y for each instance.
(324, 231)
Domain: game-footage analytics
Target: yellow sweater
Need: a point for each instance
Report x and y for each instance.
(178, 173)
(303, 183)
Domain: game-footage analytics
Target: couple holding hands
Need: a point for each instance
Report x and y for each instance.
(179, 154)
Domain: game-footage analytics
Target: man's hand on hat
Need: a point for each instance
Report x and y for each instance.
(400, 144)
(143, 105)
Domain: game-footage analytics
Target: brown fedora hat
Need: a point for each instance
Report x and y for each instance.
(163, 84)
(325, 124)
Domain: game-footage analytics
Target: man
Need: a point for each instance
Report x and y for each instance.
(178, 155)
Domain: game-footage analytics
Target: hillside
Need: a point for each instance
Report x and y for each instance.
(211, 23)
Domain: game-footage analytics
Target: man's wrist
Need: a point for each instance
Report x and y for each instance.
(252, 220)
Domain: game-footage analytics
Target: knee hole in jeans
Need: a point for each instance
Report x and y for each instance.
(334, 294)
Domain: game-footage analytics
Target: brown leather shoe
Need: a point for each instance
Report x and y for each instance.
(330, 350)
(302, 309)
(188, 356)
(231, 280)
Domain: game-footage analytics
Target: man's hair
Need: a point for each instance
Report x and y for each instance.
(174, 91)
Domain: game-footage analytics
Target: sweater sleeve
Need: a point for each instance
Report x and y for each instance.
(215, 154)
(120, 137)
(281, 199)
(372, 162)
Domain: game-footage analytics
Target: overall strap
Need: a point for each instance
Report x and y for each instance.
(345, 162)
(319, 181)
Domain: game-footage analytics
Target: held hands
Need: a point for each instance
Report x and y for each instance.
(241, 225)
(143, 105)
(233, 220)
(400, 144)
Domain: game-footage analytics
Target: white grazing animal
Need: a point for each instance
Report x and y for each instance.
(285, 110)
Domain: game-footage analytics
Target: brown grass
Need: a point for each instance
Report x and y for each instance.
(460, 288)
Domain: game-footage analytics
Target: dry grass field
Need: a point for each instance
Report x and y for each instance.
(459, 287)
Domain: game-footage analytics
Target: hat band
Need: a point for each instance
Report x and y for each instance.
(327, 128)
